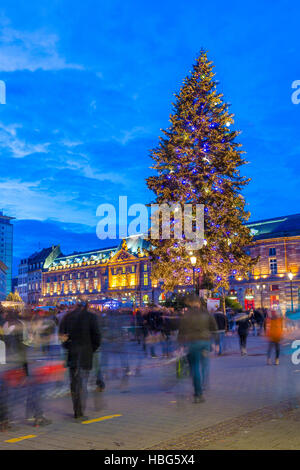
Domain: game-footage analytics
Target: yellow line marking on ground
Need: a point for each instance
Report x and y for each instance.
(18, 439)
(100, 419)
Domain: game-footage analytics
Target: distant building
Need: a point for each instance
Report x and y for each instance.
(122, 273)
(14, 284)
(23, 279)
(6, 247)
(30, 273)
(277, 243)
(3, 270)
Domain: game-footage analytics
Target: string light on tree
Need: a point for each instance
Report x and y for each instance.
(208, 173)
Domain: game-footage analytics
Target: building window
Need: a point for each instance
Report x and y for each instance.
(146, 279)
(145, 267)
(274, 287)
(86, 285)
(272, 252)
(96, 273)
(78, 276)
(62, 288)
(95, 283)
(133, 269)
(273, 266)
(123, 269)
(70, 276)
(78, 285)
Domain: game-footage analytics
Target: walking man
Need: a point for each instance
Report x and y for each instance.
(221, 322)
(195, 331)
(244, 324)
(80, 334)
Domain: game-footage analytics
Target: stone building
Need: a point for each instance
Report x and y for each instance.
(275, 280)
(30, 273)
(122, 273)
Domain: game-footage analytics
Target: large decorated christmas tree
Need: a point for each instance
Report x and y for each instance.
(198, 161)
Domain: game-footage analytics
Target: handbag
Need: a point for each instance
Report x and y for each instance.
(182, 367)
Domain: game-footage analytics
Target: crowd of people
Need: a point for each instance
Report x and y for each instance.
(37, 346)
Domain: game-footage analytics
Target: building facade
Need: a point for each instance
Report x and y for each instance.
(275, 279)
(6, 248)
(30, 273)
(3, 270)
(122, 273)
(23, 279)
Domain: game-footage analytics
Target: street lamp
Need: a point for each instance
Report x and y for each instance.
(193, 260)
(290, 276)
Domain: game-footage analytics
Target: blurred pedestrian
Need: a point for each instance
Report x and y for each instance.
(274, 330)
(253, 321)
(195, 331)
(15, 370)
(219, 335)
(100, 356)
(259, 318)
(80, 335)
(244, 324)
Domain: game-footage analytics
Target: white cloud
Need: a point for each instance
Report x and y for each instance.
(24, 200)
(19, 148)
(23, 50)
(127, 136)
(87, 171)
(71, 143)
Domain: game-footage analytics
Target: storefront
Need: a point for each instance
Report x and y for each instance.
(249, 299)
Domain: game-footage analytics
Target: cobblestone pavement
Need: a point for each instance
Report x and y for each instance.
(279, 433)
(155, 410)
(273, 427)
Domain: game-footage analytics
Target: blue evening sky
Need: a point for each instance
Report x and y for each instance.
(90, 85)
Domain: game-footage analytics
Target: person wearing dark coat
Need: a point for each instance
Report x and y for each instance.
(259, 318)
(221, 322)
(80, 334)
(244, 324)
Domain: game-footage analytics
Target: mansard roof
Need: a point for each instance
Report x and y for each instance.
(41, 255)
(135, 243)
(277, 227)
(100, 255)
